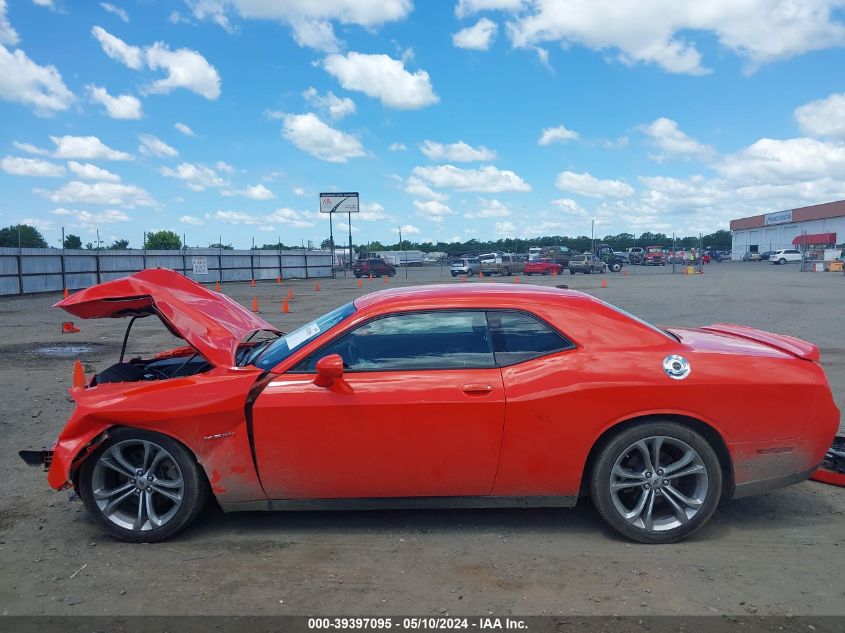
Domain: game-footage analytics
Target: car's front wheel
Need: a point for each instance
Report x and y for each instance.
(781, 261)
(141, 486)
(616, 267)
(656, 482)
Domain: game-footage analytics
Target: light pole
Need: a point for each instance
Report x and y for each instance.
(593, 237)
(404, 250)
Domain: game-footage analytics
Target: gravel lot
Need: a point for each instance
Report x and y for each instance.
(779, 553)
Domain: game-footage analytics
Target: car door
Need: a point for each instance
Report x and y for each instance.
(419, 412)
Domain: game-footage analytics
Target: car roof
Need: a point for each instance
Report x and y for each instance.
(486, 295)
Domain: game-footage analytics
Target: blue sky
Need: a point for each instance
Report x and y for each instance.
(453, 119)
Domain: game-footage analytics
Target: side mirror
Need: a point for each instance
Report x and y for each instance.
(329, 369)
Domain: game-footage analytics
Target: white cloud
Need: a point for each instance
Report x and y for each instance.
(290, 217)
(457, 152)
(382, 77)
(672, 142)
(407, 229)
(24, 81)
(103, 193)
(86, 147)
(774, 162)
(559, 134)
(657, 32)
(372, 212)
(478, 37)
(570, 207)
(487, 178)
(118, 11)
(397, 147)
(190, 219)
(225, 167)
(284, 215)
(299, 191)
(469, 7)
(332, 105)
(488, 209)
(87, 171)
(31, 149)
(154, 146)
(187, 131)
(823, 117)
(119, 107)
(255, 192)
(311, 135)
(8, 35)
(586, 184)
(19, 166)
(184, 68)
(44, 3)
(311, 21)
(418, 188)
(92, 220)
(196, 177)
(432, 209)
(118, 50)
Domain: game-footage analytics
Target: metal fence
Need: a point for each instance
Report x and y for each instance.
(28, 270)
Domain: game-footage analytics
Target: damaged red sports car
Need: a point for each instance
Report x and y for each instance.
(435, 396)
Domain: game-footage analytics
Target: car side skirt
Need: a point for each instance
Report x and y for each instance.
(767, 485)
(403, 503)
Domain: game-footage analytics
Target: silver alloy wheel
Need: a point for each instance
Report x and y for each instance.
(137, 485)
(658, 483)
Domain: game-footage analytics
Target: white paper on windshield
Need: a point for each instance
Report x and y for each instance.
(298, 337)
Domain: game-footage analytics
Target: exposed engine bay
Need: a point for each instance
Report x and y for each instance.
(137, 369)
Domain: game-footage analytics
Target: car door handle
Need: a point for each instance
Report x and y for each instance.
(478, 389)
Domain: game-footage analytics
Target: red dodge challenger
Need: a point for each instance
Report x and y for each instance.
(542, 267)
(435, 396)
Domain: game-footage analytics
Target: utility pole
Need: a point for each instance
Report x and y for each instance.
(593, 237)
(405, 250)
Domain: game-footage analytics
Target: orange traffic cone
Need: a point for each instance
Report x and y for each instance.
(252, 283)
(255, 307)
(385, 279)
(604, 283)
(317, 286)
(554, 272)
(79, 380)
(481, 273)
(371, 276)
(217, 287)
(69, 328)
(290, 293)
(66, 294)
(463, 277)
(516, 279)
(360, 284)
(625, 273)
(279, 279)
(285, 308)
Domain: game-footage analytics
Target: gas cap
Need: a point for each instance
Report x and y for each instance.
(676, 367)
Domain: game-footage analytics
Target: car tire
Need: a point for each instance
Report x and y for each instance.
(653, 511)
(506, 272)
(107, 485)
(469, 273)
(616, 267)
(571, 272)
(781, 261)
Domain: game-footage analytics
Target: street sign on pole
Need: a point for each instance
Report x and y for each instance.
(339, 202)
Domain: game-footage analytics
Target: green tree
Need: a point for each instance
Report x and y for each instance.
(163, 241)
(326, 244)
(225, 247)
(28, 235)
(119, 245)
(72, 241)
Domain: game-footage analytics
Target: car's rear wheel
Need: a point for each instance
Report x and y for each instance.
(656, 482)
(781, 261)
(571, 272)
(141, 486)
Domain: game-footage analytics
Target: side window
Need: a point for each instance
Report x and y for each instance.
(419, 340)
(518, 337)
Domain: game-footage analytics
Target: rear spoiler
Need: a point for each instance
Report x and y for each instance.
(788, 344)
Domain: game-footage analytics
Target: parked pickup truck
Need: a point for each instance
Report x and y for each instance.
(654, 256)
(504, 265)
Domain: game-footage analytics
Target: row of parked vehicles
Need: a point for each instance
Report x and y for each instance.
(551, 261)
(783, 256)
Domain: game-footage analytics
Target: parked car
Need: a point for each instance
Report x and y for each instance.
(373, 266)
(654, 256)
(636, 255)
(434, 396)
(542, 266)
(785, 256)
(586, 263)
(751, 257)
(504, 264)
(765, 255)
(468, 266)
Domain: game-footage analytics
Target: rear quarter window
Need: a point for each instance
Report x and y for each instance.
(518, 336)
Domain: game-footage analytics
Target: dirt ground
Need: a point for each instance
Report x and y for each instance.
(779, 553)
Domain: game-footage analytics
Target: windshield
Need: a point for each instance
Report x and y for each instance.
(284, 346)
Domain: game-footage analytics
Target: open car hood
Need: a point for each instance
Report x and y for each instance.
(211, 322)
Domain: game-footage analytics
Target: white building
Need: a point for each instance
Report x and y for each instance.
(820, 226)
